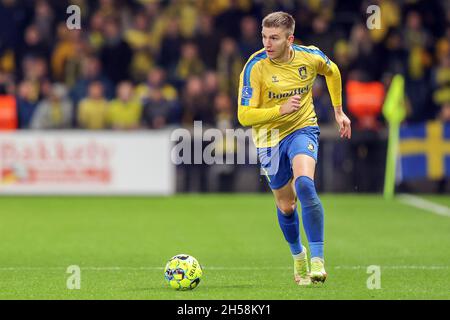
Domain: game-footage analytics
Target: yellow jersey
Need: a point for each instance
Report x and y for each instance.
(265, 85)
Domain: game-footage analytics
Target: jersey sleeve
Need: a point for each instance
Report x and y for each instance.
(250, 85)
(250, 112)
(324, 66)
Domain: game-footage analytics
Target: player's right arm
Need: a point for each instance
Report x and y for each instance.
(250, 112)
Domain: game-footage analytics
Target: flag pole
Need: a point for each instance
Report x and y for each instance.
(391, 159)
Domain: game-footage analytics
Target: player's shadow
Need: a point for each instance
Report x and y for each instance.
(236, 286)
(232, 286)
(143, 289)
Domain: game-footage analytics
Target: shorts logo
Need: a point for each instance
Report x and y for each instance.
(302, 72)
(247, 92)
(310, 147)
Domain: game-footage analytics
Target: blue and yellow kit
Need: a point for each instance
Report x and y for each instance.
(265, 85)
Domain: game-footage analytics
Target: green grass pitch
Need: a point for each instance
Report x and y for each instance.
(122, 244)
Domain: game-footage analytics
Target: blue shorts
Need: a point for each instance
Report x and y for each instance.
(276, 162)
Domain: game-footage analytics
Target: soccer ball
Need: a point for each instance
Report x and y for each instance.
(183, 272)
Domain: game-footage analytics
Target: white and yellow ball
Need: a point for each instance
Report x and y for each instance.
(183, 272)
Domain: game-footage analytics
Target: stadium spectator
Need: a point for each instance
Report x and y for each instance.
(441, 82)
(26, 104)
(417, 84)
(195, 104)
(108, 9)
(249, 40)
(189, 64)
(12, 25)
(390, 15)
(395, 55)
(414, 33)
(157, 79)
(170, 47)
(157, 110)
(322, 101)
(207, 41)
(228, 21)
(187, 15)
(116, 53)
(210, 84)
(138, 38)
(94, 33)
(365, 56)
(73, 65)
(32, 47)
(224, 174)
(321, 35)
(229, 66)
(156, 24)
(342, 57)
(55, 111)
(35, 70)
(44, 19)
(166, 94)
(66, 48)
(92, 111)
(223, 107)
(7, 85)
(444, 114)
(91, 70)
(124, 112)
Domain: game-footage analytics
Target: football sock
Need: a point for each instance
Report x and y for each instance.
(312, 214)
(301, 255)
(289, 224)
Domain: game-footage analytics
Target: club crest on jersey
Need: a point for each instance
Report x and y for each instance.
(274, 79)
(302, 72)
(247, 92)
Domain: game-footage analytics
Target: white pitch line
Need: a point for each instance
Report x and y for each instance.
(396, 267)
(423, 204)
(356, 267)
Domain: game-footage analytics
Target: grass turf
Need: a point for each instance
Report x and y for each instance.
(122, 244)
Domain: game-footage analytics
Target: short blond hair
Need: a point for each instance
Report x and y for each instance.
(280, 19)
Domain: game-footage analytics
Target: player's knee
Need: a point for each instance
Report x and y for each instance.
(287, 206)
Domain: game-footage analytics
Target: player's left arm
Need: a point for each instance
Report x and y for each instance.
(330, 70)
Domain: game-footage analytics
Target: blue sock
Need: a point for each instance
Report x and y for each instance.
(312, 214)
(290, 226)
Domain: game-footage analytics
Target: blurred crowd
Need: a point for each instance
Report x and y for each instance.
(151, 64)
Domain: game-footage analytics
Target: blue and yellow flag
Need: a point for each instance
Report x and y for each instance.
(424, 151)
